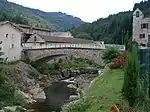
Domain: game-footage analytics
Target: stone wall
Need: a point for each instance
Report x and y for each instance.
(90, 54)
(137, 29)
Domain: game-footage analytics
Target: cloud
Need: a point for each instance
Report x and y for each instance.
(87, 10)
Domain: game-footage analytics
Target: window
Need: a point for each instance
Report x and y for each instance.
(0, 48)
(142, 36)
(142, 44)
(6, 35)
(144, 25)
(34, 38)
(137, 14)
(148, 38)
(1, 42)
(11, 46)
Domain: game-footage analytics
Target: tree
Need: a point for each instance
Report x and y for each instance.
(131, 77)
(110, 53)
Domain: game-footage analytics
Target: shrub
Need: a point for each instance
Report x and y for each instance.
(7, 93)
(119, 62)
(116, 108)
(114, 66)
(110, 54)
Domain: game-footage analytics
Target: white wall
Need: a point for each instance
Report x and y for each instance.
(14, 38)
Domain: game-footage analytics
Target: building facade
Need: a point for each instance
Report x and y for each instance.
(141, 28)
(10, 38)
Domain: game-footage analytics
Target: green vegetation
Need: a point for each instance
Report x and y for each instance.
(77, 63)
(7, 92)
(55, 68)
(131, 77)
(112, 29)
(103, 93)
(52, 20)
(134, 90)
(110, 53)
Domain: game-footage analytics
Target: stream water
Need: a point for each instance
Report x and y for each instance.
(56, 96)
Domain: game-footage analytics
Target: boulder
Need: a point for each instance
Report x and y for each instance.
(24, 76)
(14, 109)
(72, 86)
(74, 97)
(38, 94)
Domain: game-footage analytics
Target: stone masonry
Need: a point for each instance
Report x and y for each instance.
(90, 54)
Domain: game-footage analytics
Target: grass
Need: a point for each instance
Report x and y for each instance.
(102, 94)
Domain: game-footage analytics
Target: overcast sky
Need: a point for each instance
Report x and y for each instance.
(87, 10)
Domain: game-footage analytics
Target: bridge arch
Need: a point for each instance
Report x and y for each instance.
(90, 54)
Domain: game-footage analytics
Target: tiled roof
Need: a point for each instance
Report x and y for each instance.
(32, 27)
(66, 40)
(19, 26)
(12, 24)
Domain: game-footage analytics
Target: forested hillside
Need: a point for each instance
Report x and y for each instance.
(53, 20)
(144, 6)
(112, 29)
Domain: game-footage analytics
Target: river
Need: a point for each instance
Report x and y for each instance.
(59, 93)
(56, 96)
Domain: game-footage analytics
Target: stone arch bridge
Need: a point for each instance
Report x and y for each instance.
(37, 55)
(44, 52)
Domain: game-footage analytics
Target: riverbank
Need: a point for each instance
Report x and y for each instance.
(28, 83)
(102, 94)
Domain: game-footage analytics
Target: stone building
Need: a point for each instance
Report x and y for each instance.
(141, 28)
(10, 38)
(14, 38)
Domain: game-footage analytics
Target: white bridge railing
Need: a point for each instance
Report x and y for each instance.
(120, 47)
(27, 46)
(61, 45)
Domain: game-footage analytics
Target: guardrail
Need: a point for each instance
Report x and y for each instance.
(68, 45)
(61, 45)
(120, 47)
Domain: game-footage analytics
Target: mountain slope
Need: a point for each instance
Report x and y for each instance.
(112, 29)
(53, 20)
